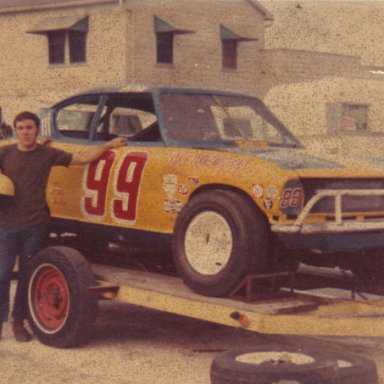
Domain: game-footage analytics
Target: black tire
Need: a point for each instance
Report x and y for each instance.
(232, 235)
(350, 369)
(272, 364)
(61, 311)
(354, 369)
(368, 266)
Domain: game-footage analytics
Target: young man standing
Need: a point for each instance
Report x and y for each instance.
(24, 218)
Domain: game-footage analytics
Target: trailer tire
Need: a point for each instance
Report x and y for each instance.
(273, 364)
(265, 365)
(61, 311)
(219, 238)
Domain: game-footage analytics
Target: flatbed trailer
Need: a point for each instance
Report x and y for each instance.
(64, 289)
(324, 311)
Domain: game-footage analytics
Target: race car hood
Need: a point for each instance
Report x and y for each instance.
(289, 158)
(305, 164)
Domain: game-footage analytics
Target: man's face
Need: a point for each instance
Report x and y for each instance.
(26, 131)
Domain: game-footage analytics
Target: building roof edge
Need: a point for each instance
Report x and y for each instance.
(39, 7)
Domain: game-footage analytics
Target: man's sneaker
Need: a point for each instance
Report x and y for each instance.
(20, 332)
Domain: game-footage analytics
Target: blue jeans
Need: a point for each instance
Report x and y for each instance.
(24, 242)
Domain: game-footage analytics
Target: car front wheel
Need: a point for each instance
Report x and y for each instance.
(219, 238)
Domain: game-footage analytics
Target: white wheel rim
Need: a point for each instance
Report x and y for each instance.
(208, 243)
(275, 358)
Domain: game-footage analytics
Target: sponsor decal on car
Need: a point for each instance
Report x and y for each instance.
(193, 180)
(257, 190)
(268, 203)
(272, 191)
(172, 206)
(170, 185)
(209, 161)
(182, 189)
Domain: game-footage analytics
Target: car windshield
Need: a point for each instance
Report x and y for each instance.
(208, 118)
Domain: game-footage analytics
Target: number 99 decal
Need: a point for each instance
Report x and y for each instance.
(292, 197)
(126, 185)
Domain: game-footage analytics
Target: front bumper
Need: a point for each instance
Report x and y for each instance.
(339, 224)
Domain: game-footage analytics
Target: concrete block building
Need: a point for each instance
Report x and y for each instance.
(51, 49)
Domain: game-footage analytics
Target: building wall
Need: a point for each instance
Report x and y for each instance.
(292, 66)
(342, 27)
(29, 82)
(313, 112)
(197, 55)
(122, 49)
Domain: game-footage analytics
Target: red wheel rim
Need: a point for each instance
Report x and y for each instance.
(50, 297)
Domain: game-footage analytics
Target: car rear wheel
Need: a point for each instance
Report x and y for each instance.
(61, 311)
(219, 238)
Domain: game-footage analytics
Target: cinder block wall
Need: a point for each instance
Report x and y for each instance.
(303, 107)
(29, 82)
(197, 55)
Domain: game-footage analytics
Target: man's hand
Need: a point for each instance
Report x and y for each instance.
(116, 142)
(93, 153)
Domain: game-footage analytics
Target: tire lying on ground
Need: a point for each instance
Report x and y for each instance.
(61, 311)
(271, 364)
(290, 365)
(354, 369)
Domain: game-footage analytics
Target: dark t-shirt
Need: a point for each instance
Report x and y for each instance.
(29, 172)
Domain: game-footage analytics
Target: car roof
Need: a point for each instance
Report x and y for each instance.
(138, 88)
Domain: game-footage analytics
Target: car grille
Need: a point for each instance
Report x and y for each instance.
(356, 204)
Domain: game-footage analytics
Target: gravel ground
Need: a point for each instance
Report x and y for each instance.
(137, 345)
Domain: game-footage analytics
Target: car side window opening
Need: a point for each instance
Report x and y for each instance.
(130, 117)
(215, 118)
(75, 120)
(119, 115)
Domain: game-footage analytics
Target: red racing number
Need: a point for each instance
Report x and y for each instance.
(126, 184)
(96, 184)
(291, 197)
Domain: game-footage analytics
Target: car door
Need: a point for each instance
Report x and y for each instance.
(121, 188)
(72, 125)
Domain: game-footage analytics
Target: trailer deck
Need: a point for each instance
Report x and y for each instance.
(318, 311)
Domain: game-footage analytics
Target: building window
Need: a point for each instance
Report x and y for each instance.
(229, 54)
(354, 117)
(346, 117)
(56, 47)
(164, 47)
(77, 46)
(229, 47)
(67, 38)
(165, 34)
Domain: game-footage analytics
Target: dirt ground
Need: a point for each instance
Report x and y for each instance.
(132, 345)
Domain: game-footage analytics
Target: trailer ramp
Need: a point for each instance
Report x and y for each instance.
(321, 311)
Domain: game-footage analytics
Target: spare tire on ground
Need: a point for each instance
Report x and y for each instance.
(267, 364)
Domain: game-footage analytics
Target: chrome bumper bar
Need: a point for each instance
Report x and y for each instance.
(338, 225)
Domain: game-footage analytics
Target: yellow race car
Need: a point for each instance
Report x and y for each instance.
(216, 174)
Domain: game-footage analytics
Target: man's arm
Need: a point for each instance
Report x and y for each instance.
(91, 154)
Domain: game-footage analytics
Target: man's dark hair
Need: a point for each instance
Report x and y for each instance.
(26, 115)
